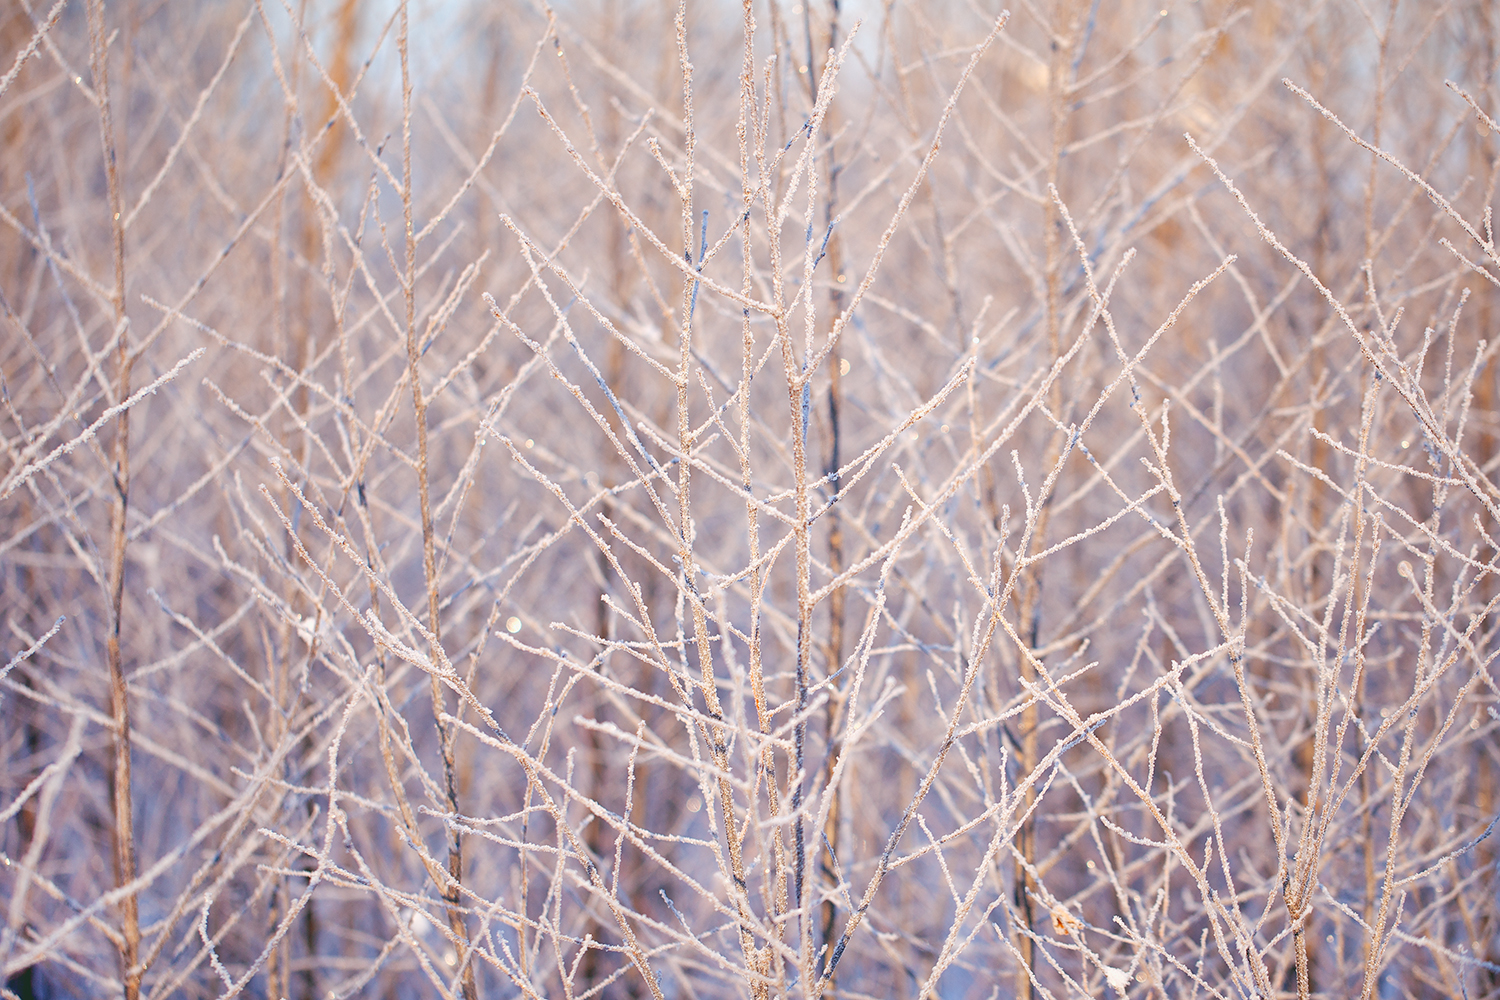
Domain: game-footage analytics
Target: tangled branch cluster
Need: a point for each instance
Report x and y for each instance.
(843, 500)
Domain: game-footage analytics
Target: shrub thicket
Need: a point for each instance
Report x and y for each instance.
(854, 500)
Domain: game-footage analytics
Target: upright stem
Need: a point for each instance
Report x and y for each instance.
(752, 142)
(451, 893)
(836, 600)
(119, 700)
(1030, 605)
(715, 734)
